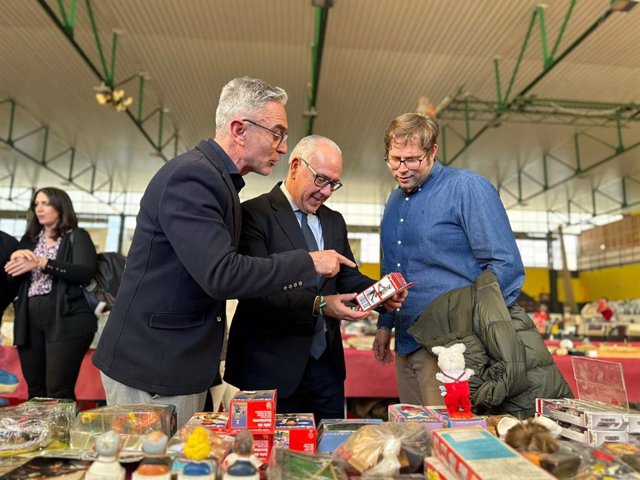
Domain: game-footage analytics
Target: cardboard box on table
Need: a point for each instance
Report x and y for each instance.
(601, 413)
(442, 414)
(255, 410)
(475, 454)
(295, 431)
(333, 431)
(404, 412)
(436, 469)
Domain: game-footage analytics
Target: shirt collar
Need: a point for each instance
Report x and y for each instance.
(234, 173)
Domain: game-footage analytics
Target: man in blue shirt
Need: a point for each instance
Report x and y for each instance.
(440, 229)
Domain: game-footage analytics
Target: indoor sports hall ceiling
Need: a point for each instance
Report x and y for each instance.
(557, 128)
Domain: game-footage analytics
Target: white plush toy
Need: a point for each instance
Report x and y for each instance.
(455, 377)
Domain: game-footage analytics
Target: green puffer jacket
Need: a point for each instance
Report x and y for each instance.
(512, 365)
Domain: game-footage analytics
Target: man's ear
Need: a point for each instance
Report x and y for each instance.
(237, 129)
(434, 151)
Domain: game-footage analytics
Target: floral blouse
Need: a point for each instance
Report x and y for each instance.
(42, 283)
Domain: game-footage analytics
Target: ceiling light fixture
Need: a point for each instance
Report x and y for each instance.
(108, 97)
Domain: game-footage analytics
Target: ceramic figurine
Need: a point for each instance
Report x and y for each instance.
(106, 467)
(196, 449)
(156, 465)
(241, 464)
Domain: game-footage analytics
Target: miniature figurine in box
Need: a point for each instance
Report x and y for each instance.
(455, 377)
(241, 463)
(156, 465)
(106, 467)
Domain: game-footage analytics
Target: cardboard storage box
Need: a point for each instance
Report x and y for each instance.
(475, 454)
(442, 414)
(295, 431)
(403, 412)
(253, 410)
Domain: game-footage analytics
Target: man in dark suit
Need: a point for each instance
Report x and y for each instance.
(163, 338)
(292, 341)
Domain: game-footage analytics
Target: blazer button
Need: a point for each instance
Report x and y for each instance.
(218, 319)
(290, 286)
(284, 288)
(295, 284)
(300, 283)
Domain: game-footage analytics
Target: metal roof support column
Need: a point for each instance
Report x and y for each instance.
(321, 14)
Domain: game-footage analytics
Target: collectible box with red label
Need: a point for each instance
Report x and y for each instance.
(295, 431)
(582, 414)
(382, 290)
(214, 421)
(403, 412)
(442, 414)
(475, 454)
(255, 409)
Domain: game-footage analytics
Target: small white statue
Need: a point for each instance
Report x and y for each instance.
(106, 467)
(156, 465)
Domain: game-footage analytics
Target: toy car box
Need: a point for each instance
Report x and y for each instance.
(442, 414)
(295, 431)
(253, 409)
(403, 412)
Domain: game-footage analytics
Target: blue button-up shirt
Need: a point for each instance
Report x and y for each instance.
(442, 236)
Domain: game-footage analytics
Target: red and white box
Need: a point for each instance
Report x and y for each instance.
(295, 431)
(436, 469)
(382, 290)
(253, 410)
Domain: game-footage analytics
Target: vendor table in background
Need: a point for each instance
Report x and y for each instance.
(88, 386)
(367, 378)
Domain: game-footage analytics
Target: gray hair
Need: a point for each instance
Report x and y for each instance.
(307, 146)
(242, 96)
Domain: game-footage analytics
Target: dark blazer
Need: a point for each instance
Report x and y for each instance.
(8, 289)
(270, 337)
(165, 331)
(74, 266)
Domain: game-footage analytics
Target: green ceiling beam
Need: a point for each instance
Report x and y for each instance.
(41, 136)
(550, 61)
(107, 75)
(321, 15)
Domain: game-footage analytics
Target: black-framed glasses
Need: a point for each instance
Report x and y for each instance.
(277, 136)
(320, 180)
(412, 163)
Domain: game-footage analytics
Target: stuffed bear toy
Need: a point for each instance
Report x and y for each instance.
(455, 378)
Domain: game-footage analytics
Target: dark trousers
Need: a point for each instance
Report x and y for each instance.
(320, 392)
(50, 367)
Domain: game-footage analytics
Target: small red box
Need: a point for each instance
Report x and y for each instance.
(253, 410)
(295, 431)
(380, 291)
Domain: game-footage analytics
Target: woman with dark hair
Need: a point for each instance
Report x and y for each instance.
(54, 324)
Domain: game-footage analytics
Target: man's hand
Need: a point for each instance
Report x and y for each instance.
(382, 347)
(336, 308)
(327, 262)
(394, 302)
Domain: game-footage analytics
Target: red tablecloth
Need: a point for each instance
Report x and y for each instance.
(88, 386)
(367, 378)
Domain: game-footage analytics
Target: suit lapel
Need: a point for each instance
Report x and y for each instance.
(285, 217)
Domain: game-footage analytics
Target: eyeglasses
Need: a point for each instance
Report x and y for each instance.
(412, 163)
(322, 181)
(277, 136)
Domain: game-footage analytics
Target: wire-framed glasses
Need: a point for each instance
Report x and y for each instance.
(322, 181)
(277, 136)
(412, 163)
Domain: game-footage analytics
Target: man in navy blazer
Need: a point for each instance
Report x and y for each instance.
(163, 338)
(272, 341)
